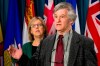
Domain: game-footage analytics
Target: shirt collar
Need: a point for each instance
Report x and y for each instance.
(65, 35)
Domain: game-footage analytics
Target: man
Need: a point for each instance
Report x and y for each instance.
(75, 49)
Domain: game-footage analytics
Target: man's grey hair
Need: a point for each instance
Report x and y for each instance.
(64, 5)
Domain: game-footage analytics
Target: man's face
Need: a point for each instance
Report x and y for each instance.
(61, 20)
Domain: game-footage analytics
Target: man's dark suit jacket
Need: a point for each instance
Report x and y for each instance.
(81, 52)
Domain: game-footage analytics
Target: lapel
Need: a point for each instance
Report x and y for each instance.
(73, 49)
(50, 49)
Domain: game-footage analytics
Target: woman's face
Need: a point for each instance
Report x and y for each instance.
(37, 29)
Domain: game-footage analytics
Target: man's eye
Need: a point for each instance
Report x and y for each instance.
(55, 16)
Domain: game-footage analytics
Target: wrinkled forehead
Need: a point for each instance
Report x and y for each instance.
(61, 12)
(60, 9)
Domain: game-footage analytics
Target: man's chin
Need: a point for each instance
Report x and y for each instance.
(58, 29)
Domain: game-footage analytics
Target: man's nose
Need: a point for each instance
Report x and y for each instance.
(58, 19)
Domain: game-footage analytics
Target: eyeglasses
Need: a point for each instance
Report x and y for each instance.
(36, 25)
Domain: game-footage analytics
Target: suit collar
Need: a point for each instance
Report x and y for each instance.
(50, 49)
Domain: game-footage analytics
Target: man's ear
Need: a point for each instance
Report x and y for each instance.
(71, 21)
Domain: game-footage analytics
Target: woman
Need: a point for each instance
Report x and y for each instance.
(37, 32)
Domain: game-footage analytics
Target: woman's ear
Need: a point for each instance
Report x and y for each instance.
(30, 31)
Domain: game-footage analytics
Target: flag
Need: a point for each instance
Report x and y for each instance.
(39, 7)
(13, 34)
(58, 1)
(3, 14)
(48, 15)
(82, 6)
(1, 47)
(1, 60)
(29, 13)
(76, 25)
(1, 42)
(93, 25)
